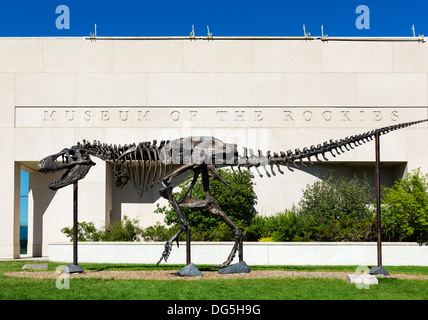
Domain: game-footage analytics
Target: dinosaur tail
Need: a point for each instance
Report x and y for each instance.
(338, 146)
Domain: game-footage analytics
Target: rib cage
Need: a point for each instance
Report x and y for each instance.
(147, 163)
(144, 163)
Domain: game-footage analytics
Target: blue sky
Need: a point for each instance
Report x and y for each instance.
(224, 17)
(24, 198)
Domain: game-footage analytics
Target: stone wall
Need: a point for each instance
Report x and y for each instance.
(255, 253)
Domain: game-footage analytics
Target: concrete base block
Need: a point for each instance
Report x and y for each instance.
(362, 279)
(38, 266)
(379, 271)
(189, 271)
(73, 268)
(240, 267)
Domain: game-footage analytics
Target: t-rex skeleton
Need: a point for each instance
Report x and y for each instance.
(147, 163)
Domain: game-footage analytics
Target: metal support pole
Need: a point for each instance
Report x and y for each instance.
(74, 268)
(379, 269)
(75, 236)
(378, 209)
(190, 270)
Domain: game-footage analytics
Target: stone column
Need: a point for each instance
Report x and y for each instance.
(93, 199)
(9, 186)
(9, 209)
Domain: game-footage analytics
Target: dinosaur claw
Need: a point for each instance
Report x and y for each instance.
(165, 253)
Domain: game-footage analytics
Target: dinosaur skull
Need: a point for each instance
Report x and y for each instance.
(75, 161)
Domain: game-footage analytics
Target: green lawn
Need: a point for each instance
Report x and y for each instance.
(225, 289)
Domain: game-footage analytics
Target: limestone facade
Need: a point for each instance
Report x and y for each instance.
(267, 94)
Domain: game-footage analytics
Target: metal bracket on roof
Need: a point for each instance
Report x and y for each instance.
(209, 34)
(323, 37)
(192, 33)
(93, 36)
(307, 35)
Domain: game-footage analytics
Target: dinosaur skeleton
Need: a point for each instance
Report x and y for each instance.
(147, 164)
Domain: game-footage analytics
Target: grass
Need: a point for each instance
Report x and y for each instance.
(221, 289)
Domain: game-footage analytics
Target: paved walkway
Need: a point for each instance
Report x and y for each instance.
(25, 257)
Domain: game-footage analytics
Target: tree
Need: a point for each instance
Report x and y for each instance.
(405, 210)
(338, 209)
(334, 198)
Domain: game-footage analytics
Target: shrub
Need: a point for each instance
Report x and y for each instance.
(267, 239)
(345, 229)
(334, 198)
(405, 210)
(125, 230)
(86, 231)
(158, 232)
(237, 204)
(338, 209)
(284, 226)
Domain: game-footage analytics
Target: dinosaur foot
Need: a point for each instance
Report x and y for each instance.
(168, 245)
(165, 253)
(226, 263)
(240, 267)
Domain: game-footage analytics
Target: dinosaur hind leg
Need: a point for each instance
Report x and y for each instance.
(215, 209)
(184, 224)
(167, 194)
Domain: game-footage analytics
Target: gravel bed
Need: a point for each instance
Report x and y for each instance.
(170, 275)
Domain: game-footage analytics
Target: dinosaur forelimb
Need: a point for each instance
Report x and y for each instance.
(184, 224)
(168, 245)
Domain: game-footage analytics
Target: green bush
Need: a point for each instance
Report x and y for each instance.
(405, 209)
(332, 199)
(158, 232)
(237, 203)
(345, 229)
(86, 231)
(338, 209)
(125, 230)
(284, 226)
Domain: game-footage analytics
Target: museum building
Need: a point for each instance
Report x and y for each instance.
(263, 93)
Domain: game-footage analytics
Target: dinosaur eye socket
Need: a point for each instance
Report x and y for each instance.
(72, 155)
(85, 156)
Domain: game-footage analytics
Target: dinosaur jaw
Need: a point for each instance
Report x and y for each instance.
(70, 176)
(75, 165)
(57, 184)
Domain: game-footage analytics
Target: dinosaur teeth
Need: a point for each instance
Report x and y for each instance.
(60, 180)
